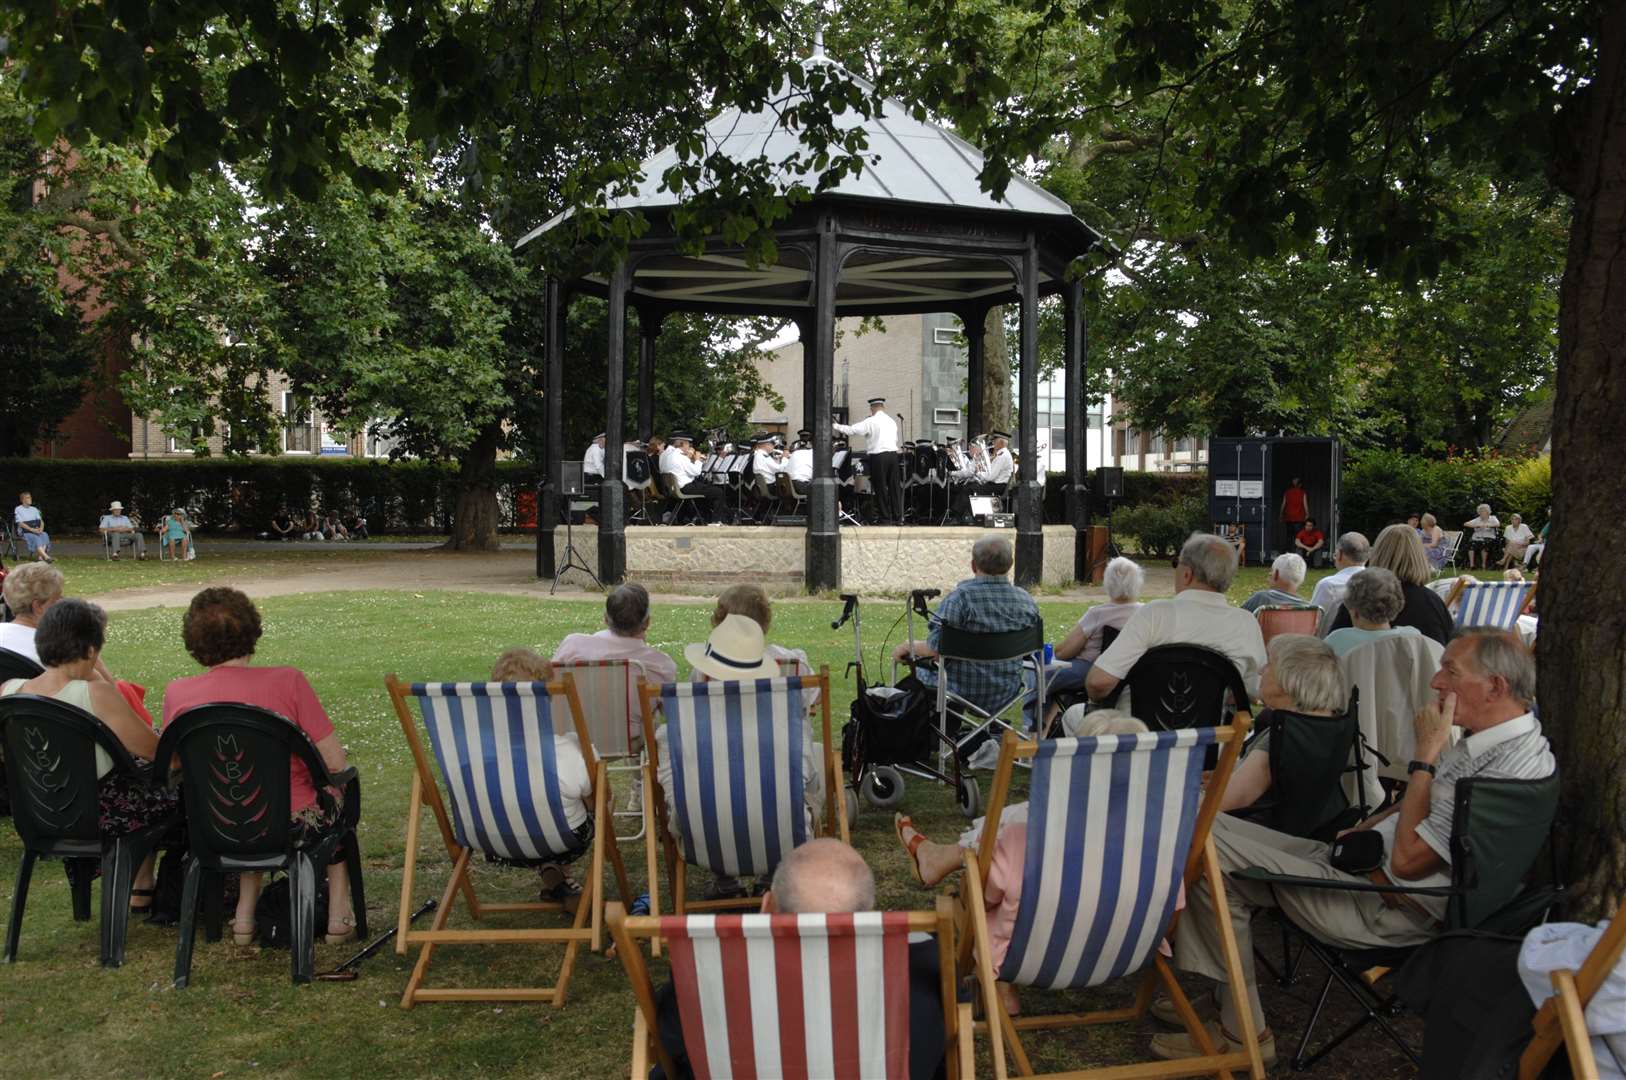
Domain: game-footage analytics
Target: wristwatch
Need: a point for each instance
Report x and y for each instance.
(1420, 766)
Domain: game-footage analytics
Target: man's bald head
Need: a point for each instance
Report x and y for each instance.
(822, 876)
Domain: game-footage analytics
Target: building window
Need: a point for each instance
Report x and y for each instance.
(299, 431)
(945, 416)
(1095, 420)
(945, 335)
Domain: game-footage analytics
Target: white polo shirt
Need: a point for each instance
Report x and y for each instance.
(1329, 591)
(1193, 617)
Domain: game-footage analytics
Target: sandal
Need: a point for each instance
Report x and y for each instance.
(142, 909)
(348, 933)
(911, 845)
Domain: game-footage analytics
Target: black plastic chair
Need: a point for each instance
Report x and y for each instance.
(14, 665)
(1498, 829)
(1173, 687)
(56, 806)
(234, 781)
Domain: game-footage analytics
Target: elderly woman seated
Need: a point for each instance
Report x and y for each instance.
(31, 591)
(1122, 581)
(69, 641)
(1399, 549)
(1301, 676)
(221, 630)
(1373, 599)
(752, 602)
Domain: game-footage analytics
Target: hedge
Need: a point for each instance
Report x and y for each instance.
(240, 495)
(1384, 486)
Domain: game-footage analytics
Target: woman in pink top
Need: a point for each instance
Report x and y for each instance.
(221, 630)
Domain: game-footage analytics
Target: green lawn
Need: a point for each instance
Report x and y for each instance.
(60, 1014)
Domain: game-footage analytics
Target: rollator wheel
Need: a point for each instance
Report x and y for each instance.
(883, 787)
(969, 797)
(851, 798)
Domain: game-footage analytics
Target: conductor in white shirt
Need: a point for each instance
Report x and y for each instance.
(880, 433)
(593, 461)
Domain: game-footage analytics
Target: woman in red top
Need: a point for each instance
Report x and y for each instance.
(1295, 507)
(221, 630)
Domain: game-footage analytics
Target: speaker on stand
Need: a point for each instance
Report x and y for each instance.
(1109, 486)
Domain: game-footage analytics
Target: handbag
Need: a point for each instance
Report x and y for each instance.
(1358, 852)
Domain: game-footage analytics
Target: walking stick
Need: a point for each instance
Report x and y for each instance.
(346, 972)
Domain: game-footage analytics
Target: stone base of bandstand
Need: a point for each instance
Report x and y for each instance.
(874, 558)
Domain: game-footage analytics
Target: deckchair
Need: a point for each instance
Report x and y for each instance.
(737, 780)
(608, 690)
(1287, 619)
(494, 745)
(1115, 824)
(793, 996)
(1562, 1019)
(1490, 603)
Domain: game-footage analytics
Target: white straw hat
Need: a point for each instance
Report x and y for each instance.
(736, 650)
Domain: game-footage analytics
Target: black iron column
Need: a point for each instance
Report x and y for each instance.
(649, 328)
(1078, 429)
(1030, 479)
(612, 527)
(553, 406)
(823, 569)
(808, 331)
(976, 349)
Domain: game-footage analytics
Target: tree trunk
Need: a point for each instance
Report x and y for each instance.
(996, 373)
(474, 522)
(1582, 648)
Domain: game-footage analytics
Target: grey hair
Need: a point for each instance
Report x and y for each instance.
(626, 608)
(1355, 547)
(1500, 654)
(1482, 509)
(1123, 579)
(1400, 549)
(1375, 595)
(992, 555)
(1290, 568)
(1109, 722)
(30, 584)
(1307, 671)
(1211, 559)
(817, 877)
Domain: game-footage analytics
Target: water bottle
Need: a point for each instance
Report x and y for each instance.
(1049, 654)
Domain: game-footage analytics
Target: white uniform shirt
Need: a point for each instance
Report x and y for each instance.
(593, 460)
(679, 464)
(1001, 467)
(879, 430)
(765, 465)
(800, 465)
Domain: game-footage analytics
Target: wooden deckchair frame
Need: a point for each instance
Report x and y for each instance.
(959, 1051)
(1461, 587)
(1202, 862)
(1562, 1017)
(588, 924)
(656, 833)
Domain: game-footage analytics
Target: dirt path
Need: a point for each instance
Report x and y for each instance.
(506, 572)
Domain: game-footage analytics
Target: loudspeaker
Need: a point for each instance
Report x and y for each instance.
(1109, 482)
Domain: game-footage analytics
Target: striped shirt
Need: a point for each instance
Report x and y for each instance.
(987, 603)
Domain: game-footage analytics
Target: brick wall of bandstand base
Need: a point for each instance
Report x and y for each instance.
(874, 559)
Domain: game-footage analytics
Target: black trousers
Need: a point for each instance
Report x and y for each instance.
(716, 498)
(883, 479)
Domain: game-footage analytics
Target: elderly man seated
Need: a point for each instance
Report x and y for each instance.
(826, 876)
(1286, 576)
(1198, 615)
(119, 532)
(1485, 684)
(626, 625)
(1353, 551)
(987, 602)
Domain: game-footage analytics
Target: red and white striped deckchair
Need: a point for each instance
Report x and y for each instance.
(791, 997)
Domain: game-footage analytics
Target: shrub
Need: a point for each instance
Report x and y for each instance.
(1530, 491)
(1161, 528)
(1384, 486)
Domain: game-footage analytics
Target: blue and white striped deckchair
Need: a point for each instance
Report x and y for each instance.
(738, 789)
(494, 747)
(1116, 824)
(1492, 603)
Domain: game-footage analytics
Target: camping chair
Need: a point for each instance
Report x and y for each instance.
(1453, 544)
(235, 761)
(837, 993)
(1490, 603)
(1095, 905)
(50, 762)
(969, 648)
(494, 745)
(8, 537)
(1172, 687)
(680, 501)
(737, 780)
(608, 691)
(1498, 828)
(1392, 677)
(1562, 1019)
(1277, 619)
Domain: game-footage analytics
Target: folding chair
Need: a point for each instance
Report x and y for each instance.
(1277, 619)
(608, 690)
(957, 648)
(1562, 1018)
(1116, 824)
(9, 538)
(1392, 677)
(1498, 828)
(680, 501)
(737, 780)
(1453, 543)
(494, 744)
(792, 995)
(1490, 603)
(788, 495)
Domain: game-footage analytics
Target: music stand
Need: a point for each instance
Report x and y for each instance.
(572, 487)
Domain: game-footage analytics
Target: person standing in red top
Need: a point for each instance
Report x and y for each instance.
(1309, 540)
(221, 630)
(1295, 507)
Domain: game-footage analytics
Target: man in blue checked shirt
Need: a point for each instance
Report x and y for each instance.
(986, 603)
